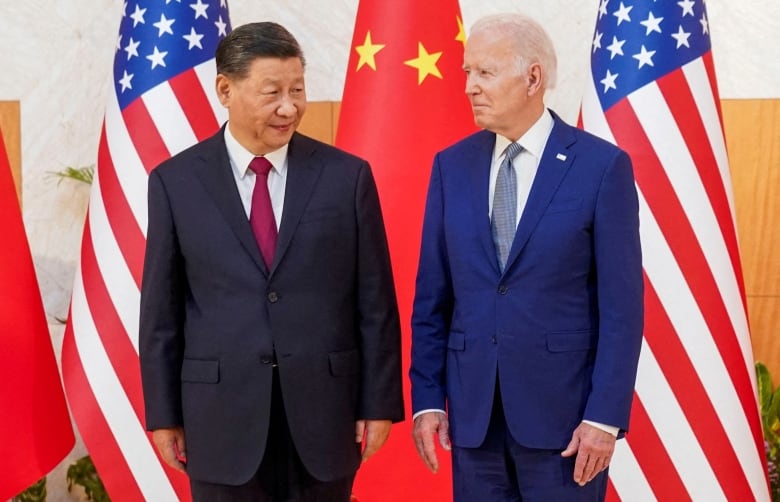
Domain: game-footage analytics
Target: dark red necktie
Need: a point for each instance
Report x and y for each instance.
(261, 216)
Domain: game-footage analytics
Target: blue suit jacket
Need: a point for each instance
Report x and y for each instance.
(562, 326)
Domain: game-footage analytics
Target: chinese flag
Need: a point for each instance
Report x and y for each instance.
(35, 429)
(403, 101)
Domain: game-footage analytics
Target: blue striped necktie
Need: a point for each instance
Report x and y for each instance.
(503, 220)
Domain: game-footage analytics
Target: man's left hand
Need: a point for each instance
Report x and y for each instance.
(594, 448)
(375, 433)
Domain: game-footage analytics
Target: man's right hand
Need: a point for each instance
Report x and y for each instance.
(427, 428)
(170, 444)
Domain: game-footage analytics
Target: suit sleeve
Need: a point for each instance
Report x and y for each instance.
(433, 304)
(381, 396)
(618, 261)
(161, 340)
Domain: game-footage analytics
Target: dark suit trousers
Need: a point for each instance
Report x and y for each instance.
(501, 470)
(281, 476)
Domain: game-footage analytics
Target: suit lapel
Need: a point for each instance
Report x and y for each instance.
(478, 160)
(555, 163)
(216, 176)
(303, 171)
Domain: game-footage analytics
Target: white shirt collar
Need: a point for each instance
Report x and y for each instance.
(240, 157)
(533, 141)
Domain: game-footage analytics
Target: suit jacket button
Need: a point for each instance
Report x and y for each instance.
(502, 289)
(273, 297)
(494, 339)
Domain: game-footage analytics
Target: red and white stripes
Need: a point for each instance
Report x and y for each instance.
(100, 350)
(695, 431)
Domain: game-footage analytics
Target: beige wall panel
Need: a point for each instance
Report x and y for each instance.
(11, 128)
(764, 324)
(318, 121)
(752, 129)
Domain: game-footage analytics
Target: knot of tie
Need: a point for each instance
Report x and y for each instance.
(512, 150)
(260, 166)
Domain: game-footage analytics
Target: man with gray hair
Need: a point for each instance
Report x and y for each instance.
(269, 332)
(528, 309)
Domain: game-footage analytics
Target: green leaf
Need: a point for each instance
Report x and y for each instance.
(764, 381)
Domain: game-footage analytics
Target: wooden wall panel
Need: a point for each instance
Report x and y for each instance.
(752, 129)
(11, 127)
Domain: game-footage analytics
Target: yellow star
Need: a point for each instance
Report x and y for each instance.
(367, 52)
(461, 32)
(425, 63)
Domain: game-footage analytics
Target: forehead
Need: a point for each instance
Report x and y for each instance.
(274, 69)
(489, 46)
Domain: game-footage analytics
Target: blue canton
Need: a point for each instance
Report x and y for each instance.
(159, 40)
(637, 42)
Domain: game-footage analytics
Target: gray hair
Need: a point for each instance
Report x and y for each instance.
(248, 42)
(532, 42)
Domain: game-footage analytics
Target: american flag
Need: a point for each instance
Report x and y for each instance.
(695, 431)
(161, 101)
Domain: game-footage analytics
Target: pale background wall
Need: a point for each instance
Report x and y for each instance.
(56, 57)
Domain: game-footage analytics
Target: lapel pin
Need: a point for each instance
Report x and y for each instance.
(560, 156)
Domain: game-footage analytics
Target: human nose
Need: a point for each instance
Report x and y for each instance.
(286, 106)
(471, 84)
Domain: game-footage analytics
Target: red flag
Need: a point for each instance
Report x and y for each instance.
(35, 429)
(404, 101)
(161, 102)
(695, 431)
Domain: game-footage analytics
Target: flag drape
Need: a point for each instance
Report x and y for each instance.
(35, 428)
(695, 431)
(160, 102)
(404, 101)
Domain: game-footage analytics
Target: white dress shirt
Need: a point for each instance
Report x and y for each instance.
(240, 158)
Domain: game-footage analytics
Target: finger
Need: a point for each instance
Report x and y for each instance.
(181, 449)
(429, 453)
(444, 435)
(168, 453)
(572, 448)
(360, 430)
(579, 468)
(589, 471)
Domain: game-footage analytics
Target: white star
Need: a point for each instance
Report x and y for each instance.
(622, 13)
(705, 26)
(132, 48)
(125, 82)
(200, 9)
(119, 42)
(223, 3)
(603, 8)
(616, 47)
(644, 57)
(597, 41)
(609, 81)
(169, 1)
(682, 37)
(687, 7)
(652, 23)
(221, 26)
(157, 58)
(164, 25)
(138, 15)
(194, 39)
(124, 9)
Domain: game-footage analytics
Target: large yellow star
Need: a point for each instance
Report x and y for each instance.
(425, 63)
(367, 52)
(461, 37)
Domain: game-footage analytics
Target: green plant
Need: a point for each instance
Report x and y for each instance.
(85, 174)
(83, 473)
(769, 400)
(35, 493)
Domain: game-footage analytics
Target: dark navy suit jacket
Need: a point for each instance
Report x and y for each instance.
(212, 314)
(561, 328)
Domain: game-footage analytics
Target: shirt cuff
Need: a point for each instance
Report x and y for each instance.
(429, 410)
(604, 427)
